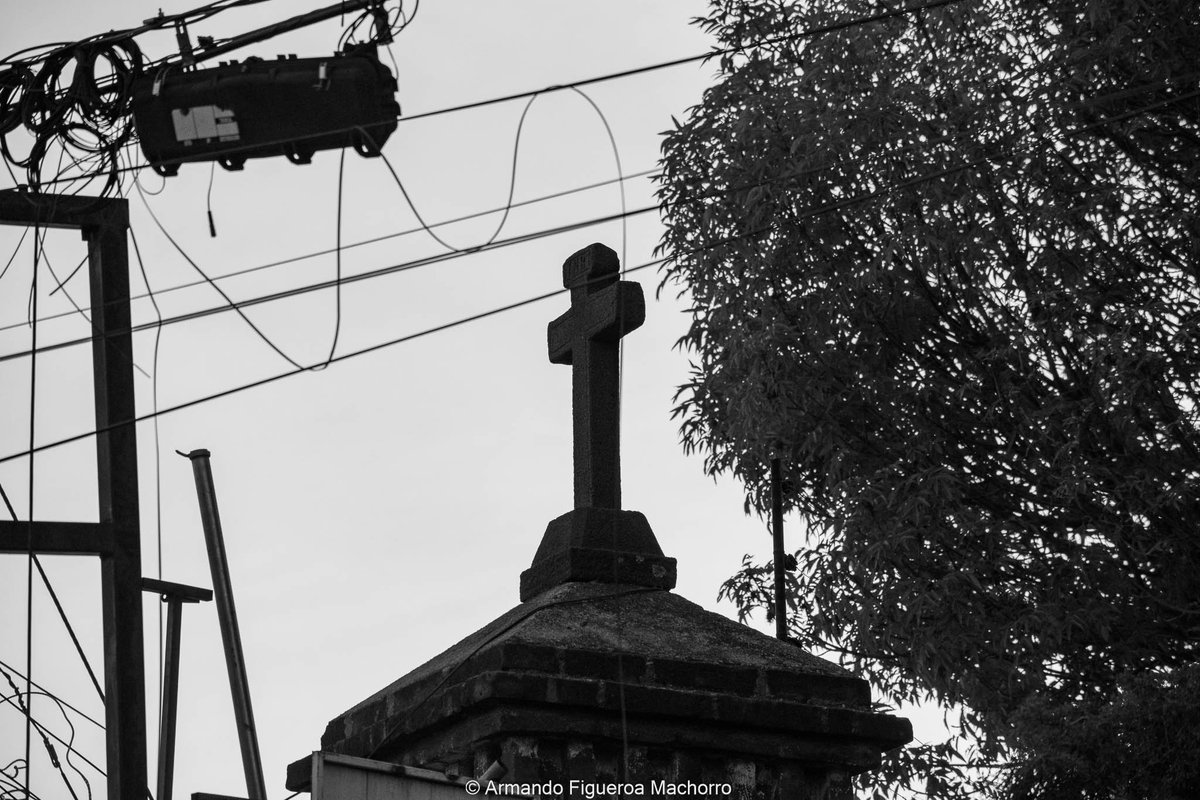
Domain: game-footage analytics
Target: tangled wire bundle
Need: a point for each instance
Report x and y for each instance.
(75, 103)
(68, 103)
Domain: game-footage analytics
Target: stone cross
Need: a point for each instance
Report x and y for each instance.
(588, 336)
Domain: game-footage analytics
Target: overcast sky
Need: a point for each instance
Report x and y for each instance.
(380, 510)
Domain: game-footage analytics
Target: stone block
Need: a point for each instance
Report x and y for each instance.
(607, 666)
(804, 687)
(713, 677)
(605, 545)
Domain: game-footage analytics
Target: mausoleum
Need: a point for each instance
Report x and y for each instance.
(602, 681)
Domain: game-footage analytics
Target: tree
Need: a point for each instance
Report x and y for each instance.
(946, 266)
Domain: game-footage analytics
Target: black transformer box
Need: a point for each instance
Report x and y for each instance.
(254, 109)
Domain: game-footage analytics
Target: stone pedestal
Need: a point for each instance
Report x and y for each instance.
(598, 544)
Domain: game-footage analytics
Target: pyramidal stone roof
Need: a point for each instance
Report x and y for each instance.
(594, 647)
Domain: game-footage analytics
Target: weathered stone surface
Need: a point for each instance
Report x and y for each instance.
(597, 541)
(598, 544)
(600, 661)
(603, 309)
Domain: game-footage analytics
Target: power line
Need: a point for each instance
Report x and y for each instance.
(48, 693)
(14, 700)
(948, 138)
(194, 15)
(28, 706)
(61, 284)
(287, 293)
(70, 747)
(344, 356)
(337, 325)
(626, 73)
(338, 246)
(284, 294)
(229, 304)
(676, 62)
(16, 250)
(847, 202)
(158, 527)
(313, 287)
(361, 243)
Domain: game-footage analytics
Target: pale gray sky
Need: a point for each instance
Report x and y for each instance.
(380, 510)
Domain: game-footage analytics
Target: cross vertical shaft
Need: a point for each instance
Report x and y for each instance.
(597, 540)
(603, 309)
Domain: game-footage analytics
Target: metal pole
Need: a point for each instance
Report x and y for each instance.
(781, 629)
(117, 493)
(227, 616)
(170, 701)
(174, 595)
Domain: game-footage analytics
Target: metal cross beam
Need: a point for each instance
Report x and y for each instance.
(116, 538)
(588, 337)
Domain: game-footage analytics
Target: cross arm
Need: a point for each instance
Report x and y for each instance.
(58, 538)
(62, 210)
(178, 592)
(606, 316)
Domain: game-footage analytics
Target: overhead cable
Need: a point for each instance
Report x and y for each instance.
(360, 243)
(287, 293)
(847, 202)
(626, 73)
(927, 143)
(329, 284)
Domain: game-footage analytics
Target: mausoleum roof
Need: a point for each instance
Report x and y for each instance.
(572, 644)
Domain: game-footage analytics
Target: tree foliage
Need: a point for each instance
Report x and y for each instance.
(946, 265)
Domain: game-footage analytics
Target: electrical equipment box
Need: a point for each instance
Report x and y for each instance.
(255, 109)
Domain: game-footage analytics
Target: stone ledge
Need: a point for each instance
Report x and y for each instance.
(543, 694)
(519, 659)
(454, 740)
(604, 566)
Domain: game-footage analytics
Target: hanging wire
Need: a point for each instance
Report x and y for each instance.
(840, 204)
(5, 665)
(508, 203)
(327, 284)
(104, 145)
(28, 705)
(229, 303)
(360, 243)
(45, 732)
(847, 202)
(158, 527)
(946, 139)
(16, 250)
(338, 256)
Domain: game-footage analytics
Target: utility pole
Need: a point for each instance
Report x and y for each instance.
(781, 627)
(116, 537)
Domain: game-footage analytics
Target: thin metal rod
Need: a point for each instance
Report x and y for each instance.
(227, 617)
(170, 701)
(781, 628)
